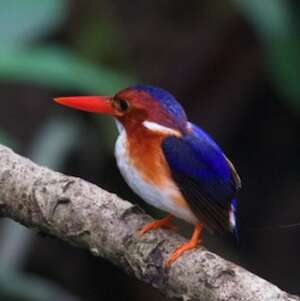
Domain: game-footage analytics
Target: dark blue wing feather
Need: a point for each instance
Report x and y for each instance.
(205, 176)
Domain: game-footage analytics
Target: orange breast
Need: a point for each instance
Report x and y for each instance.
(146, 155)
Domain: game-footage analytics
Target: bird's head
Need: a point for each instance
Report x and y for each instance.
(141, 105)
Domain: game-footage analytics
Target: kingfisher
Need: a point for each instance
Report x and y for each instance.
(168, 161)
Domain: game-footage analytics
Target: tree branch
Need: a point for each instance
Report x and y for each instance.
(91, 218)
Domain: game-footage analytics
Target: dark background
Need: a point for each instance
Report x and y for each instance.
(235, 67)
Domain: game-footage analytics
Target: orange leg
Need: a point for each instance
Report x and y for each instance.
(195, 240)
(165, 222)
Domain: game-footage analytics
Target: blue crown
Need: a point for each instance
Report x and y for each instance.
(167, 100)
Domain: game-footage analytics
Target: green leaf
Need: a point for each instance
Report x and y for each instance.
(5, 139)
(284, 64)
(269, 18)
(274, 21)
(59, 68)
(24, 21)
(25, 287)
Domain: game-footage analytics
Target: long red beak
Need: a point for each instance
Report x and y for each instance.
(96, 104)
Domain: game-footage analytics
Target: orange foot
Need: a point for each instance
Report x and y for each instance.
(165, 222)
(193, 243)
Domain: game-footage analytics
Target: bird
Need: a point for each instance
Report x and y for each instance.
(168, 161)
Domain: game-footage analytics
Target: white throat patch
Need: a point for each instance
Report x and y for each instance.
(119, 126)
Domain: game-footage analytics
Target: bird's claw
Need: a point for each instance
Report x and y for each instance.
(165, 223)
(179, 251)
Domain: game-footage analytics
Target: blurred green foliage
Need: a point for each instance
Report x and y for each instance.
(59, 68)
(7, 139)
(23, 22)
(275, 23)
(24, 58)
(17, 287)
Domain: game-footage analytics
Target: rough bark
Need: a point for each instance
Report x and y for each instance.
(88, 217)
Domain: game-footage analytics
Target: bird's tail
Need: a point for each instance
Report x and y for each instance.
(233, 224)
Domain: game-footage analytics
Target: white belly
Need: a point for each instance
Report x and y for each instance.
(155, 196)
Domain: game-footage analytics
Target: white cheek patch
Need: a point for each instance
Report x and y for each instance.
(155, 127)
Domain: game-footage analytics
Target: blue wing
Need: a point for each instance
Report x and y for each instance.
(206, 178)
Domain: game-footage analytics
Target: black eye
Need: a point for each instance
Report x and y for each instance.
(121, 105)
